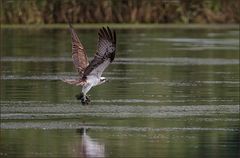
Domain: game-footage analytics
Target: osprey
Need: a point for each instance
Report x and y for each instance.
(90, 73)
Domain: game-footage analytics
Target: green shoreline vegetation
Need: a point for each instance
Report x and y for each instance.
(122, 26)
(120, 11)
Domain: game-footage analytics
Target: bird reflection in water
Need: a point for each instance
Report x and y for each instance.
(89, 148)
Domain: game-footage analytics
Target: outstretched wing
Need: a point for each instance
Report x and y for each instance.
(76, 82)
(79, 55)
(105, 53)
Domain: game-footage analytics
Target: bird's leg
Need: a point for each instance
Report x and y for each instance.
(85, 99)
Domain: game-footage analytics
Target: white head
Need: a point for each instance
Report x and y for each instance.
(102, 80)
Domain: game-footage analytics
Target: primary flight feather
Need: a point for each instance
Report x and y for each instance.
(90, 73)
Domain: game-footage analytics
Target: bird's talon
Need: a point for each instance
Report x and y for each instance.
(86, 100)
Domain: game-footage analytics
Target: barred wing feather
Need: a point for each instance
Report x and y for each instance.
(105, 54)
(79, 56)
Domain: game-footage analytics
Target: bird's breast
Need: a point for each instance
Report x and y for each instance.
(93, 80)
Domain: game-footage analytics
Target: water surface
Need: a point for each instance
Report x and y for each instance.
(172, 93)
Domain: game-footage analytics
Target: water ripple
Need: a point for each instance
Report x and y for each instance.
(136, 61)
(76, 125)
(201, 43)
(21, 110)
(51, 77)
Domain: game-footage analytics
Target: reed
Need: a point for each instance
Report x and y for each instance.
(119, 11)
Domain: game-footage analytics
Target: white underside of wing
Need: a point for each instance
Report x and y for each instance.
(100, 68)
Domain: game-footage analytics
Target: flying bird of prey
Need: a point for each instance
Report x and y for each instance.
(90, 73)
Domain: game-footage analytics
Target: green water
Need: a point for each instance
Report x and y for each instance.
(172, 93)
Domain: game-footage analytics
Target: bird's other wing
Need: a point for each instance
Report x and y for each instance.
(79, 55)
(76, 82)
(105, 54)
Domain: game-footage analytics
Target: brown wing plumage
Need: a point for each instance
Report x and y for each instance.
(76, 82)
(105, 50)
(79, 56)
